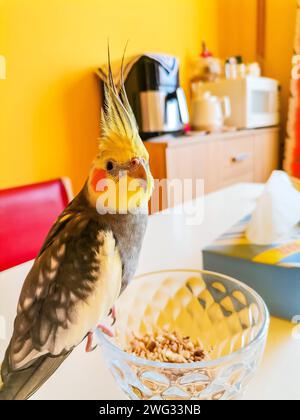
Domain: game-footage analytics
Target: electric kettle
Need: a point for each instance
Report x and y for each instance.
(209, 112)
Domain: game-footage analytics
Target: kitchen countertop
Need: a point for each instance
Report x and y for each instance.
(195, 137)
(169, 243)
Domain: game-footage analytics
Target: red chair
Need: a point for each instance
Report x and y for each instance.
(26, 215)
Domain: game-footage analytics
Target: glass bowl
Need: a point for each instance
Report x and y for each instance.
(229, 319)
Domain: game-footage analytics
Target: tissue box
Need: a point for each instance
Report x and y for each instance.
(273, 271)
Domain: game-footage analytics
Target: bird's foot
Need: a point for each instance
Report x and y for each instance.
(105, 330)
(112, 313)
(89, 344)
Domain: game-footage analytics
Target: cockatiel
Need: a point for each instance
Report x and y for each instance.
(88, 257)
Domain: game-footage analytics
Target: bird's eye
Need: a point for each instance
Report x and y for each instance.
(109, 165)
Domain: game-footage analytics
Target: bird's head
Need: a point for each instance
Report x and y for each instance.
(120, 179)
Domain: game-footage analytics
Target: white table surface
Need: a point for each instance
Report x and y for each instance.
(169, 243)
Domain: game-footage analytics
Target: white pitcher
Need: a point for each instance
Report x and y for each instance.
(209, 112)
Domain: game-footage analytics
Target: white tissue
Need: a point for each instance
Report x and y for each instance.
(277, 212)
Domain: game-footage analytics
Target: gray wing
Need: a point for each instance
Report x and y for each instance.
(56, 290)
(22, 384)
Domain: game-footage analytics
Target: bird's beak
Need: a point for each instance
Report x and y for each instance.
(138, 171)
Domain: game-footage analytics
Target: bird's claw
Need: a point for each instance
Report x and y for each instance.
(105, 330)
(112, 313)
(89, 344)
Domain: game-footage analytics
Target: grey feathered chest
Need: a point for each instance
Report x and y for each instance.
(129, 231)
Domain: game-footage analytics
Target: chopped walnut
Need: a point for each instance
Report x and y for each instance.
(167, 347)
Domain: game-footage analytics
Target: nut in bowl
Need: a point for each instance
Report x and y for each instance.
(186, 335)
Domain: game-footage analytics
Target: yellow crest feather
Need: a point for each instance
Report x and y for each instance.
(118, 124)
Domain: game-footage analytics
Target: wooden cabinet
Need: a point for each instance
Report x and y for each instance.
(194, 162)
(266, 149)
(219, 159)
(236, 161)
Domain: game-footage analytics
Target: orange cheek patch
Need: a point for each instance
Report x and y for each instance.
(97, 176)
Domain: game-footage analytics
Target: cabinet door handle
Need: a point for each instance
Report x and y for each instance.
(240, 158)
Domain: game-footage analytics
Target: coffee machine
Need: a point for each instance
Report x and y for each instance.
(156, 98)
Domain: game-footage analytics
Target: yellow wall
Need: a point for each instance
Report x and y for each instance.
(49, 104)
(237, 28)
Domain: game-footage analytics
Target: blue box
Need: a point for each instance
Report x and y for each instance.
(273, 270)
